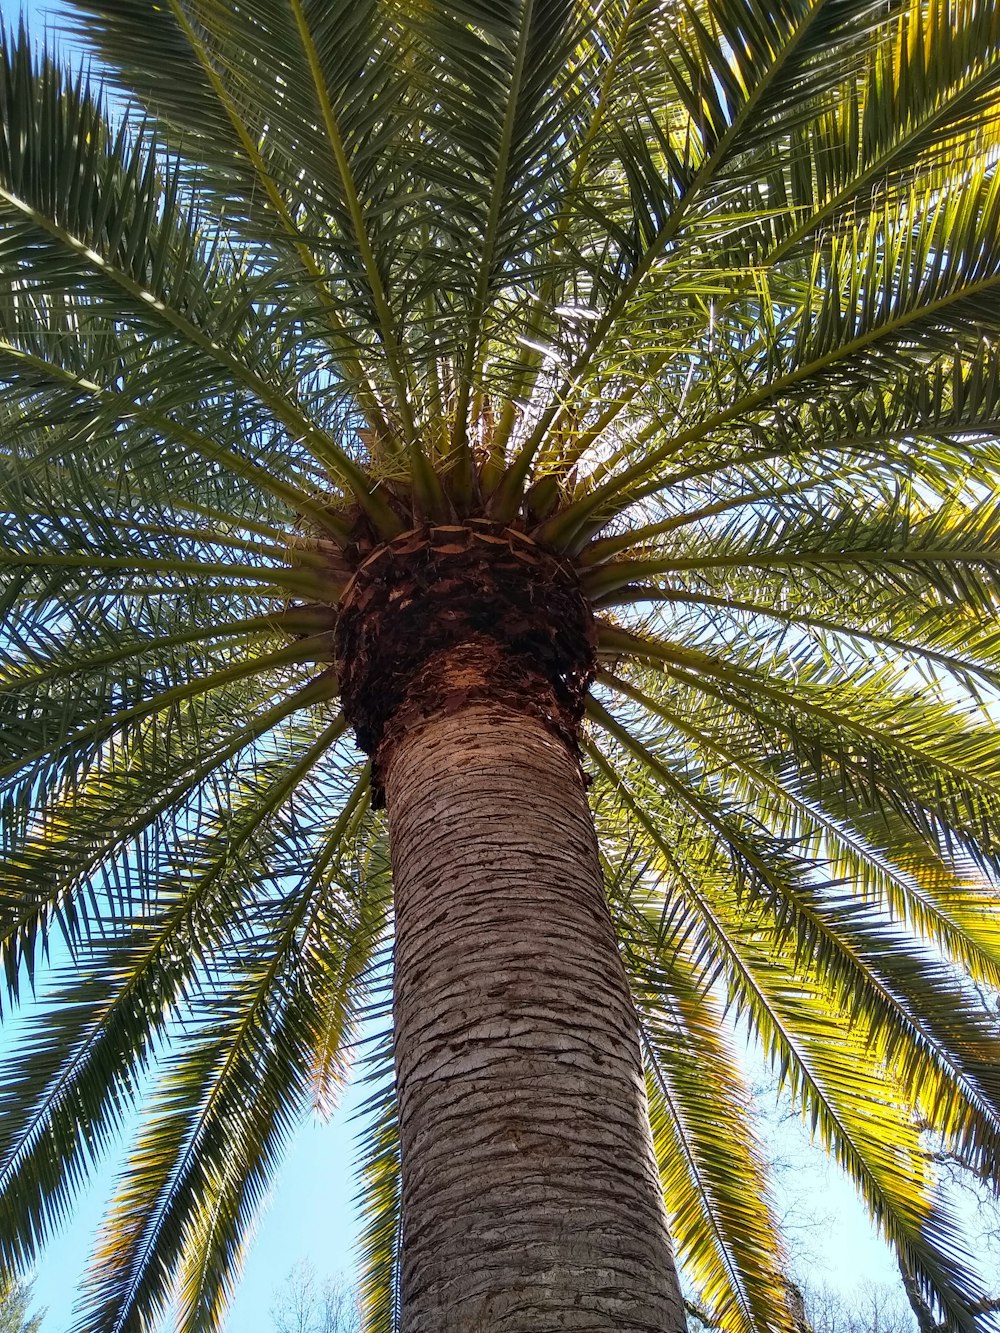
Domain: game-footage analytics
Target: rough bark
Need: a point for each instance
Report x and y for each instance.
(530, 1195)
(478, 591)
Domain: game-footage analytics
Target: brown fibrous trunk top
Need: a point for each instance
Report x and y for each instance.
(444, 616)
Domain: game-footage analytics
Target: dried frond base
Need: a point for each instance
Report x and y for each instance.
(444, 616)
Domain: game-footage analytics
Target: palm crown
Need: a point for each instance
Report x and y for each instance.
(701, 298)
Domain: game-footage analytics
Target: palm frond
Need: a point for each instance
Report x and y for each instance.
(70, 1082)
(715, 1179)
(125, 244)
(227, 1104)
(725, 891)
(380, 1240)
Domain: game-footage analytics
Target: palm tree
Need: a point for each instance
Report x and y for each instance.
(587, 410)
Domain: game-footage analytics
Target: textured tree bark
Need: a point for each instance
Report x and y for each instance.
(530, 1195)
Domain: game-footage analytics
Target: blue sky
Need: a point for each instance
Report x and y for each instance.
(311, 1215)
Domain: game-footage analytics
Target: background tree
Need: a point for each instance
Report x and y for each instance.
(873, 1308)
(15, 1305)
(306, 1305)
(510, 383)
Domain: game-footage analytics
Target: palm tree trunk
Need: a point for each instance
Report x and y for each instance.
(530, 1195)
